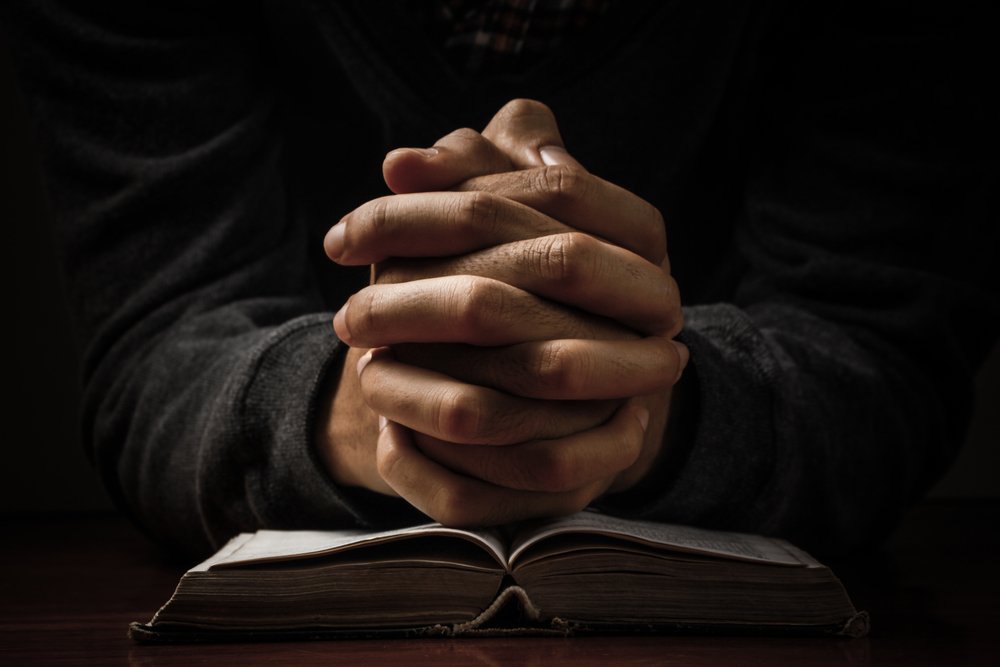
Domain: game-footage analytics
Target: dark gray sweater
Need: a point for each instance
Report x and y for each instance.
(828, 181)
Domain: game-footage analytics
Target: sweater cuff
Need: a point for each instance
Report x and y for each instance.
(720, 468)
(292, 489)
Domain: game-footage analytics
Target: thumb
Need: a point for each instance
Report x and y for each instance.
(527, 133)
(454, 158)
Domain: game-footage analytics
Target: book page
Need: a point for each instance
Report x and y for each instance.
(738, 546)
(277, 545)
(225, 552)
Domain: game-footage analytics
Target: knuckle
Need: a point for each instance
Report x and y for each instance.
(467, 134)
(477, 212)
(523, 106)
(508, 125)
(668, 319)
(654, 240)
(366, 311)
(376, 218)
(477, 302)
(563, 258)
(565, 183)
(459, 415)
(464, 140)
(664, 369)
(552, 261)
(559, 369)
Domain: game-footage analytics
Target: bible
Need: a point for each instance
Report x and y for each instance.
(586, 573)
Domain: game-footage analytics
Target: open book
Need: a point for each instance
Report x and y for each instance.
(585, 573)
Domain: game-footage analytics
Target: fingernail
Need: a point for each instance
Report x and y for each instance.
(642, 414)
(683, 356)
(334, 241)
(382, 423)
(423, 152)
(340, 324)
(363, 361)
(374, 353)
(555, 155)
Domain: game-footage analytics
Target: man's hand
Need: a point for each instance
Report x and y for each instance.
(507, 417)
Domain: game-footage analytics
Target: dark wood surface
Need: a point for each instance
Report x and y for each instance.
(71, 584)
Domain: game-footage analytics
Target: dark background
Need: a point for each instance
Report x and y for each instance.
(44, 467)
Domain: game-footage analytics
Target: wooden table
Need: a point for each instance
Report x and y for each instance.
(71, 584)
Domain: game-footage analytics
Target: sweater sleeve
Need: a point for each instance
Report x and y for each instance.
(205, 338)
(834, 386)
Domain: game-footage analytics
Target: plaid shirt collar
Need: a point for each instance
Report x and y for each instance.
(506, 36)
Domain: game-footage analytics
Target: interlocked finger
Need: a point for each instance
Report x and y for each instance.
(559, 465)
(573, 369)
(433, 224)
(573, 269)
(461, 309)
(461, 501)
(454, 411)
(583, 202)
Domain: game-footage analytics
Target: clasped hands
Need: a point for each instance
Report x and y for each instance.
(514, 354)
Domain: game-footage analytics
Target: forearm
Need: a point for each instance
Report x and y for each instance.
(799, 429)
